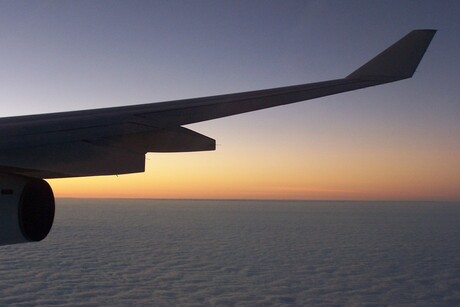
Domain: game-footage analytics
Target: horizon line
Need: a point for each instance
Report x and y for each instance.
(262, 199)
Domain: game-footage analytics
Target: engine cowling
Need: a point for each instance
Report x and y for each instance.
(26, 209)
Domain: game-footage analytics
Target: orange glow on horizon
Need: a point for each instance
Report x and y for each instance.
(212, 175)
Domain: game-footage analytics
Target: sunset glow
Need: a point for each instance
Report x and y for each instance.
(399, 141)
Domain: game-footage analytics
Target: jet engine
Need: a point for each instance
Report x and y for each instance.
(26, 209)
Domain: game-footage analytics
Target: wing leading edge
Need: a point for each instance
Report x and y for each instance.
(115, 140)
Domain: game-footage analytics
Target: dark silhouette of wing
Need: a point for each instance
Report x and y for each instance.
(115, 140)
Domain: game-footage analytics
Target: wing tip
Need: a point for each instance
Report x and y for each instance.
(400, 60)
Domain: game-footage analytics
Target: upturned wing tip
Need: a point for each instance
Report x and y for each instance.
(399, 61)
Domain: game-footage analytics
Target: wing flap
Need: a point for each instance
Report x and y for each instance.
(121, 154)
(178, 139)
(74, 159)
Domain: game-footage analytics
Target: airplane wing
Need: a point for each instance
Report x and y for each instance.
(115, 140)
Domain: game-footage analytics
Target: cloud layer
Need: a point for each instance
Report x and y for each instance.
(135, 252)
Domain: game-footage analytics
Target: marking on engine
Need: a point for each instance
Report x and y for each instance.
(7, 192)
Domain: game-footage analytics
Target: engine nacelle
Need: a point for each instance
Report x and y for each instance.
(26, 209)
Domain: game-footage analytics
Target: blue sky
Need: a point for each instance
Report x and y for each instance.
(70, 55)
(78, 54)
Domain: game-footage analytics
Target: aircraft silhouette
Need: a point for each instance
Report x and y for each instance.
(115, 140)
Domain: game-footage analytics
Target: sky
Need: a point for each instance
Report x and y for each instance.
(398, 141)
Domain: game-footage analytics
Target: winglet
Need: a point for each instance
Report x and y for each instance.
(398, 61)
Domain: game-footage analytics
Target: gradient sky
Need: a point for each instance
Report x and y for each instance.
(396, 141)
